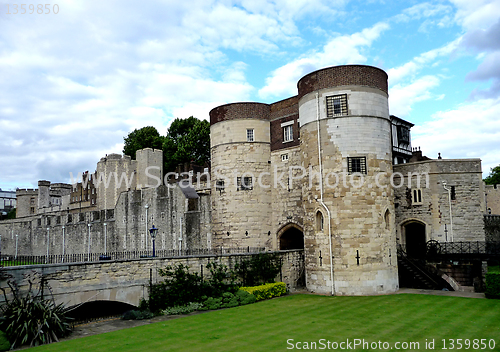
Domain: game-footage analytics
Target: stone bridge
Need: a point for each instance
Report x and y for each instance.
(127, 280)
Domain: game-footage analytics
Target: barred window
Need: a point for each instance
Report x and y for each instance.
(336, 105)
(356, 165)
(288, 133)
(244, 184)
(250, 135)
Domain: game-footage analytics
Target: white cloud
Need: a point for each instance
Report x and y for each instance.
(346, 49)
(410, 69)
(470, 131)
(478, 14)
(402, 97)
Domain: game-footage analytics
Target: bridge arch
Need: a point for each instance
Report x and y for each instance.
(290, 236)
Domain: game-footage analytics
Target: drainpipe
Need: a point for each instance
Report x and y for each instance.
(321, 194)
(451, 217)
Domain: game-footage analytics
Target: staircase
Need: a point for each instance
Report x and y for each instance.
(414, 273)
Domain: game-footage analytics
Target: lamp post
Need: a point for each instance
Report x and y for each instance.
(48, 242)
(63, 244)
(105, 239)
(88, 251)
(153, 232)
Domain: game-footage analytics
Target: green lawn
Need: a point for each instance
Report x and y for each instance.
(267, 325)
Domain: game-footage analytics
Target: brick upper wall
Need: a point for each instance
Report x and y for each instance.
(337, 76)
(284, 111)
(240, 111)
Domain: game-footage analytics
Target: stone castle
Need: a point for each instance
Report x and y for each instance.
(329, 171)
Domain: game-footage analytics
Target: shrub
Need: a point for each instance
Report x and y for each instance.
(178, 289)
(245, 297)
(4, 342)
(266, 291)
(31, 319)
(493, 285)
(137, 315)
(259, 269)
(221, 279)
(212, 303)
(188, 308)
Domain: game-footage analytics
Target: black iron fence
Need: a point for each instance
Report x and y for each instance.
(435, 249)
(12, 260)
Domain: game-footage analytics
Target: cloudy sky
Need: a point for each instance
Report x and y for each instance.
(73, 84)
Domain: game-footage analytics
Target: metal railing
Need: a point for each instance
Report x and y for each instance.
(12, 260)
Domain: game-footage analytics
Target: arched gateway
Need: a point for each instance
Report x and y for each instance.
(291, 237)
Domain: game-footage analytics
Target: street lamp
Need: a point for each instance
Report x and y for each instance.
(48, 242)
(153, 232)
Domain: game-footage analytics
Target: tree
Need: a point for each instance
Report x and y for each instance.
(187, 140)
(494, 176)
(146, 137)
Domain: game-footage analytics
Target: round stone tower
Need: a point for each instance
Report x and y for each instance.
(345, 138)
(240, 175)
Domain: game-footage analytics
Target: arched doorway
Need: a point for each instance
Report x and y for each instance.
(291, 238)
(415, 239)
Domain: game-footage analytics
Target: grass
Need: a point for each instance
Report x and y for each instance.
(267, 325)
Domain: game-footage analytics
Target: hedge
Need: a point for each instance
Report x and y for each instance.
(266, 291)
(493, 285)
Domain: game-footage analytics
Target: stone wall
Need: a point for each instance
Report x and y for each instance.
(361, 213)
(492, 193)
(492, 228)
(127, 281)
(434, 210)
(286, 192)
(241, 217)
(126, 227)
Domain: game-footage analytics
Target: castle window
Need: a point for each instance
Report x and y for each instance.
(320, 221)
(284, 157)
(356, 165)
(403, 134)
(288, 133)
(250, 135)
(452, 193)
(70, 218)
(336, 105)
(32, 201)
(32, 210)
(416, 196)
(244, 184)
(219, 186)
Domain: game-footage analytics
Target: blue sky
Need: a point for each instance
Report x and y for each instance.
(73, 84)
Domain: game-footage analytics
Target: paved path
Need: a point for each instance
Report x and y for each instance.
(442, 293)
